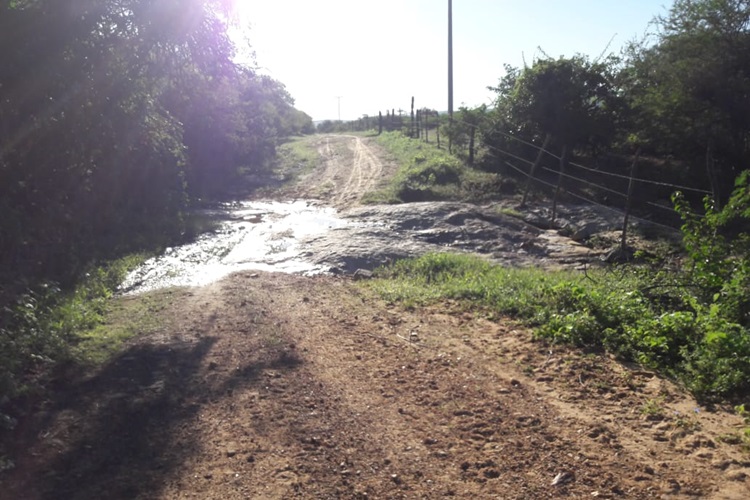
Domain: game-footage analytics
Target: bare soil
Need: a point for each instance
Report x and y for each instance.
(268, 385)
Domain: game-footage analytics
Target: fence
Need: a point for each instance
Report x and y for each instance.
(637, 197)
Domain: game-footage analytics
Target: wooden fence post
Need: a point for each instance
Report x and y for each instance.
(420, 122)
(471, 144)
(561, 175)
(533, 169)
(711, 170)
(437, 129)
(426, 118)
(629, 202)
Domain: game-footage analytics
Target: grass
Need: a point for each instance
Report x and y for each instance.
(296, 157)
(47, 326)
(427, 173)
(125, 318)
(436, 277)
(598, 311)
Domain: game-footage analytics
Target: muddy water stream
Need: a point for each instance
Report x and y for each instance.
(308, 238)
(251, 235)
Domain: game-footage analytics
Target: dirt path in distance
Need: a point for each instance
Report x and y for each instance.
(352, 166)
(276, 386)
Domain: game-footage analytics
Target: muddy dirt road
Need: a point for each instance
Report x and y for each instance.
(275, 386)
(351, 166)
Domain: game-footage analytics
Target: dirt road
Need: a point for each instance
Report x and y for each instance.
(275, 386)
(351, 166)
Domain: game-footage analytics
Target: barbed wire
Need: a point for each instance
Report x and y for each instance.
(609, 190)
(494, 149)
(635, 179)
(589, 200)
(584, 181)
(578, 165)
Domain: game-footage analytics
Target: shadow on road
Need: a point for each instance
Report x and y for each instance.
(121, 433)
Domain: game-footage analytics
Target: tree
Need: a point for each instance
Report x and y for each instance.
(464, 128)
(689, 86)
(112, 112)
(572, 99)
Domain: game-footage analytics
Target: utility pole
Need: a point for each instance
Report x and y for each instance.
(450, 58)
(339, 98)
(450, 69)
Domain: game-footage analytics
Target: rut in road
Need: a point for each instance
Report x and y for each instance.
(351, 168)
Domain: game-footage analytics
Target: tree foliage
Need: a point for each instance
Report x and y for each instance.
(572, 99)
(690, 90)
(114, 112)
(114, 115)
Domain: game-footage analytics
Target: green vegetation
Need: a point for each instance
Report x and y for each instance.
(47, 327)
(116, 117)
(108, 135)
(691, 323)
(680, 98)
(427, 173)
(295, 157)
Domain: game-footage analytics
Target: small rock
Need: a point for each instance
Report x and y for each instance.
(395, 478)
(491, 473)
(562, 478)
(362, 274)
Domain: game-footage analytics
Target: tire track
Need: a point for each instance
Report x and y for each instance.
(351, 169)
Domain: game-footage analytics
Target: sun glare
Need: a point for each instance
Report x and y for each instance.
(328, 48)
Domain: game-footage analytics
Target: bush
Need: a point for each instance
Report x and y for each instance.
(41, 328)
(428, 173)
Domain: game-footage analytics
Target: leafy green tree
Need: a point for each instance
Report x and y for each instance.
(464, 130)
(112, 111)
(689, 85)
(571, 98)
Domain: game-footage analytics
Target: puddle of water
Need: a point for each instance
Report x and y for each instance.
(257, 235)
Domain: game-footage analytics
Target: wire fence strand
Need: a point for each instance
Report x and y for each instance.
(578, 165)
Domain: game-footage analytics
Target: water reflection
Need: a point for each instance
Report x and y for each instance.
(253, 235)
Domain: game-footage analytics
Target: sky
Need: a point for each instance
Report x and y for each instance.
(349, 58)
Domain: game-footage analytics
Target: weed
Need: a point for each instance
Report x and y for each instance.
(687, 424)
(730, 438)
(296, 157)
(742, 412)
(48, 326)
(653, 408)
(511, 212)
